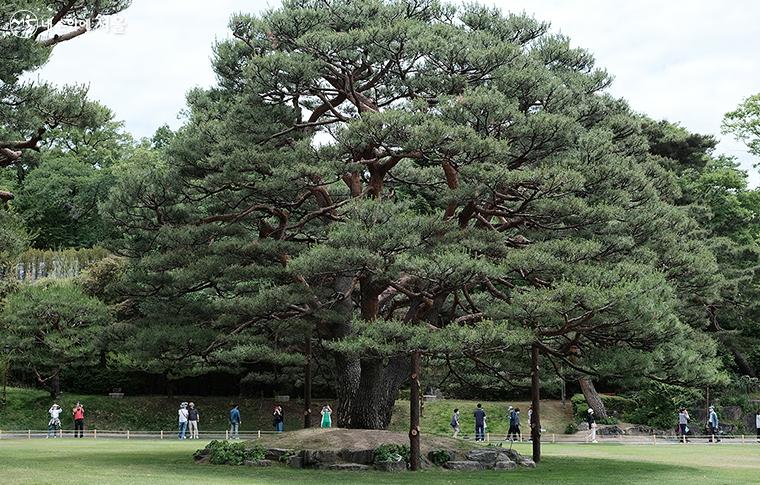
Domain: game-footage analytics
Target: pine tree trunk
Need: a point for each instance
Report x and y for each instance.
(55, 386)
(414, 412)
(593, 398)
(379, 384)
(535, 388)
(347, 374)
(741, 361)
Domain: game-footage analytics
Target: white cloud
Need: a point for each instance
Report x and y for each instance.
(685, 61)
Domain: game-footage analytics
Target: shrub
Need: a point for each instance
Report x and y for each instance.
(392, 452)
(440, 457)
(229, 453)
(658, 404)
(571, 428)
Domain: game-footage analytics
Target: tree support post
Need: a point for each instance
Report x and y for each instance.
(414, 412)
(535, 384)
(307, 384)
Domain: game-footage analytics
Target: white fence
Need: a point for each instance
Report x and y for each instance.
(128, 434)
(546, 438)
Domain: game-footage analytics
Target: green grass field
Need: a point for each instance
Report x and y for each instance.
(169, 462)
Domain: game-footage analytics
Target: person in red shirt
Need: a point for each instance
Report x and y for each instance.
(78, 414)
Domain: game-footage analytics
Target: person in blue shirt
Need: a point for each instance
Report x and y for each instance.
(714, 425)
(480, 423)
(235, 422)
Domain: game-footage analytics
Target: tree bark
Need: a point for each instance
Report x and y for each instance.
(347, 374)
(55, 386)
(741, 362)
(593, 398)
(307, 384)
(535, 421)
(414, 412)
(379, 383)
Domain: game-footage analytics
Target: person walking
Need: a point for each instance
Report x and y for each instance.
(480, 423)
(278, 418)
(54, 424)
(455, 423)
(591, 420)
(683, 424)
(518, 433)
(326, 416)
(78, 414)
(192, 421)
(512, 432)
(757, 424)
(235, 422)
(182, 420)
(713, 425)
(511, 420)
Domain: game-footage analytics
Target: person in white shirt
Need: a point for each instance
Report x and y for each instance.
(757, 424)
(55, 422)
(182, 420)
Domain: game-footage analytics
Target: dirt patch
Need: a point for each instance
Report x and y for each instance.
(354, 439)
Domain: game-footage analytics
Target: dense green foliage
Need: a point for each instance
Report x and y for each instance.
(53, 325)
(231, 452)
(744, 123)
(392, 452)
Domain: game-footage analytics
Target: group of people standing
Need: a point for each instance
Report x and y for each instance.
(481, 424)
(189, 418)
(54, 423)
(188, 421)
(713, 425)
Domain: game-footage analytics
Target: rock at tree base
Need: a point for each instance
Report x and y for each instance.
(391, 466)
(319, 458)
(348, 466)
(257, 463)
(487, 456)
(610, 431)
(276, 454)
(464, 465)
(365, 457)
(295, 461)
(505, 465)
(519, 459)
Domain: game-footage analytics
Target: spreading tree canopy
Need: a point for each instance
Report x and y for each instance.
(396, 177)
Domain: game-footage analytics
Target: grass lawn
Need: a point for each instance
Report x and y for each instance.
(141, 462)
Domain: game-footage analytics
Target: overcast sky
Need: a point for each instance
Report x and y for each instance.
(688, 61)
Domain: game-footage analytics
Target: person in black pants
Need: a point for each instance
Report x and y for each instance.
(78, 414)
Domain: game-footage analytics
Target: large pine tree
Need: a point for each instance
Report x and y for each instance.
(395, 177)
